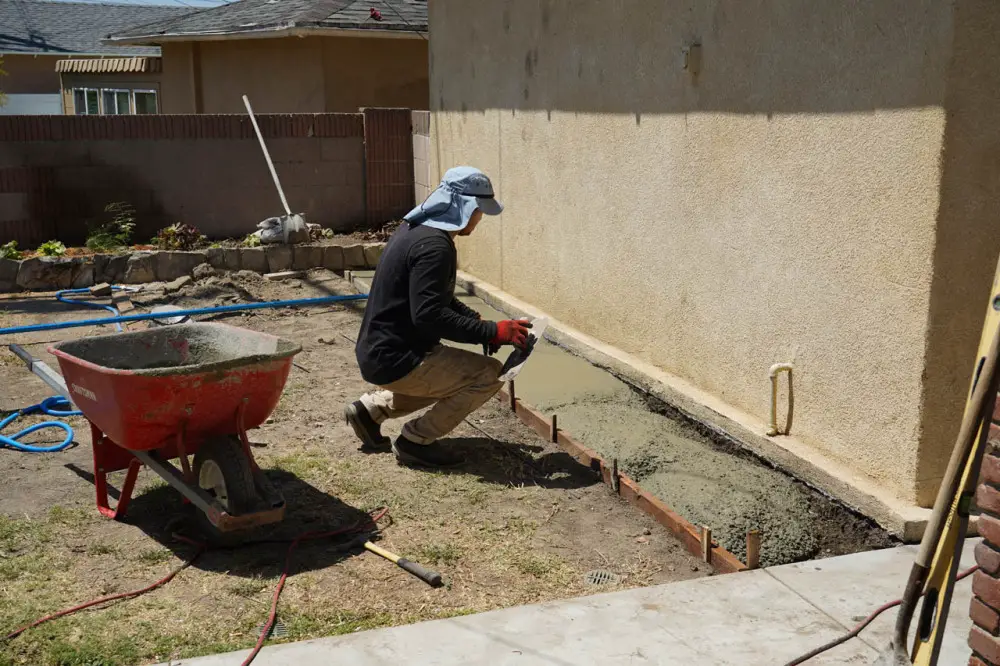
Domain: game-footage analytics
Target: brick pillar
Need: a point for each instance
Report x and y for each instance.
(388, 164)
(984, 639)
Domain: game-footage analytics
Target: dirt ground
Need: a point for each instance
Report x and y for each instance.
(521, 522)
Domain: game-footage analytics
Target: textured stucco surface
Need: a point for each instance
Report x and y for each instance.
(295, 75)
(786, 205)
(968, 232)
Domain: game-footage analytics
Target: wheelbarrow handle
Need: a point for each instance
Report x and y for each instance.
(22, 354)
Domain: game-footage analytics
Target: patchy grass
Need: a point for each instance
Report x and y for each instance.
(98, 549)
(447, 554)
(493, 528)
(250, 587)
(154, 556)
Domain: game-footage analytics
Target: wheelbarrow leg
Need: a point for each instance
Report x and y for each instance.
(100, 444)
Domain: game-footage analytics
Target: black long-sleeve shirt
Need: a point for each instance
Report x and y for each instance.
(412, 306)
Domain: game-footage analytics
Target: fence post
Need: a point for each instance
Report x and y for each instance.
(389, 188)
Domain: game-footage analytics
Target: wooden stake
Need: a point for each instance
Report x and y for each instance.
(555, 429)
(706, 544)
(615, 479)
(753, 549)
(513, 398)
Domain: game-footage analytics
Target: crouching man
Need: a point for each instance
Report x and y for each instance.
(411, 308)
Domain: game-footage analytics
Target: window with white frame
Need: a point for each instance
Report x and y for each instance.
(115, 102)
(144, 102)
(86, 101)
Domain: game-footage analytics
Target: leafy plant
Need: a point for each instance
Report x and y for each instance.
(10, 251)
(52, 248)
(252, 240)
(180, 236)
(115, 232)
(317, 232)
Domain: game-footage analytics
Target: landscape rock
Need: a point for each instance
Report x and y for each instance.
(279, 258)
(203, 271)
(84, 277)
(231, 258)
(283, 275)
(110, 268)
(216, 257)
(354, 257)
(101, 290)
(172, 265)
(49, 273)
(253, 259)
(8, 274)
(178, 284)
(373, 251)
(139, 268)
(305, 257)
(333, 257)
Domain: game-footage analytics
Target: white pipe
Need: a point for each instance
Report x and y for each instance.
(773, 373)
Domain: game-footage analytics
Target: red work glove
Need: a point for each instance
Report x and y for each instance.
(512, 332)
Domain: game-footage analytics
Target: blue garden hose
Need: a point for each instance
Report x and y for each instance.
(61, 297)
(54, 406)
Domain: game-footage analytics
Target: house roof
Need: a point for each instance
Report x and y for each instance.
(33, 27)
(273, 17)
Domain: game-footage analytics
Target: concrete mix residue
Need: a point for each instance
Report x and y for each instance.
(706, 482)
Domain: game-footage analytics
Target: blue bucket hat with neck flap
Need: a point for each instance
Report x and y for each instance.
(450, 207)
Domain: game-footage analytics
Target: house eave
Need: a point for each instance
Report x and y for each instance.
(268, 33)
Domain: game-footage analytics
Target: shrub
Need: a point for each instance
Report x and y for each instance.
(252, 240)
(115, 231)
(10, 251)
(52, 248)
(180, 236)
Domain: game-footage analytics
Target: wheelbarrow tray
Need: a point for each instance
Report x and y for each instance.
(144, 387)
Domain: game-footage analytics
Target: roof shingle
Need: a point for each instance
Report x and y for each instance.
(31, 26)
(256, 16)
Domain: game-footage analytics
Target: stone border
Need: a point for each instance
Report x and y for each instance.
(52, 273)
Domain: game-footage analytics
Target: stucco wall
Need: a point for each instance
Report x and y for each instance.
(366, 71)
(29, 74)
(780, 206)
(968, 231)
(295, 75)
(178, 90)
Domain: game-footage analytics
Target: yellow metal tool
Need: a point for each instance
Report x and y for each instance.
(933, 574)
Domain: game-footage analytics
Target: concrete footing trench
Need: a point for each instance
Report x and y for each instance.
(706, 480)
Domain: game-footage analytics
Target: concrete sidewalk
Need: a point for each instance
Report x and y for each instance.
(764, 617)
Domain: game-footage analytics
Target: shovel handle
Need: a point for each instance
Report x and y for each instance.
(267, 155)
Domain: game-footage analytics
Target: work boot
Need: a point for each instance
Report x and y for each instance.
(369, 432)
(424, 455)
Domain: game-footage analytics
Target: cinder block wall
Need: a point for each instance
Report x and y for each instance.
(422, 181)
(56, 173)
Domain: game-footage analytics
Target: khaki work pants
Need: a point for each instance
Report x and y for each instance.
(455, 381)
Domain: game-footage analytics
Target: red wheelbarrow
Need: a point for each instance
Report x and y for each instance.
(188, 392)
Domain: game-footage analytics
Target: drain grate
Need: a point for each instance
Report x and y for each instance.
(601, 577)
(277, 631)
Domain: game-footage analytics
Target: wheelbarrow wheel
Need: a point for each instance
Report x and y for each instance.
(222, 469)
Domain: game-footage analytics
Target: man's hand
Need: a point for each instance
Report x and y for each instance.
(512, 332)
